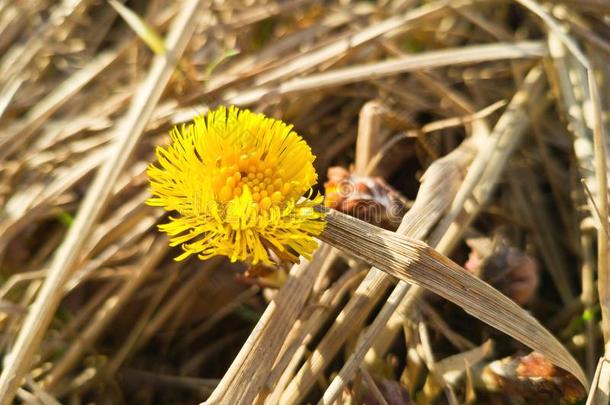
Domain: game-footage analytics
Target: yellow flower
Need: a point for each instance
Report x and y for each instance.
(235, 179)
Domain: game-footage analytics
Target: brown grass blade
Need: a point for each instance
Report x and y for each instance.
(41, 112)
(439, 185)
(18, 360)
(415, 262)
(427, 60)
(599, 394)
(488, 155)
(246, 376)
(360, 38)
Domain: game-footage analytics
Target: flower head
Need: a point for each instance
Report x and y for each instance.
(235, 179)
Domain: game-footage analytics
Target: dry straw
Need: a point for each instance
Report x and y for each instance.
(502, 105)
(415, 262)
(19, 360)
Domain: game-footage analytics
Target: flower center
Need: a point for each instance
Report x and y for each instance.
(262, 177)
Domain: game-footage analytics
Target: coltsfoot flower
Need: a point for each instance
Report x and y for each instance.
(235, 180)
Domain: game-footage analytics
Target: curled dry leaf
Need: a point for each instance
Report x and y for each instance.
(509, 269)
(531, 379)
(370, 199)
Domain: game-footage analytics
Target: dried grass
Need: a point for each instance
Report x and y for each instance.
(490, 116)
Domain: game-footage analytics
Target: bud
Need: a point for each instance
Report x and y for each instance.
(370, 199)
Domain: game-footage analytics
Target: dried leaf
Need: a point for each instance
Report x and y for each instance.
(415, 262)
(533, 379)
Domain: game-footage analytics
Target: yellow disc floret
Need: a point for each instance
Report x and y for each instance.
(236, 179)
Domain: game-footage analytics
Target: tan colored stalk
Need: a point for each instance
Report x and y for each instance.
(246, 375)
(340, 47)
(601, 175)
(369, 140)
(570, 77)
(600, 392)
(494, 153)
(415, 262)
(41, 112)
(106, 313)
(556, 29)
(378, 70)
(19, 359)
(304, 331)
(439, 185)
(9, 91)
(590, 142)
(17, 61)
